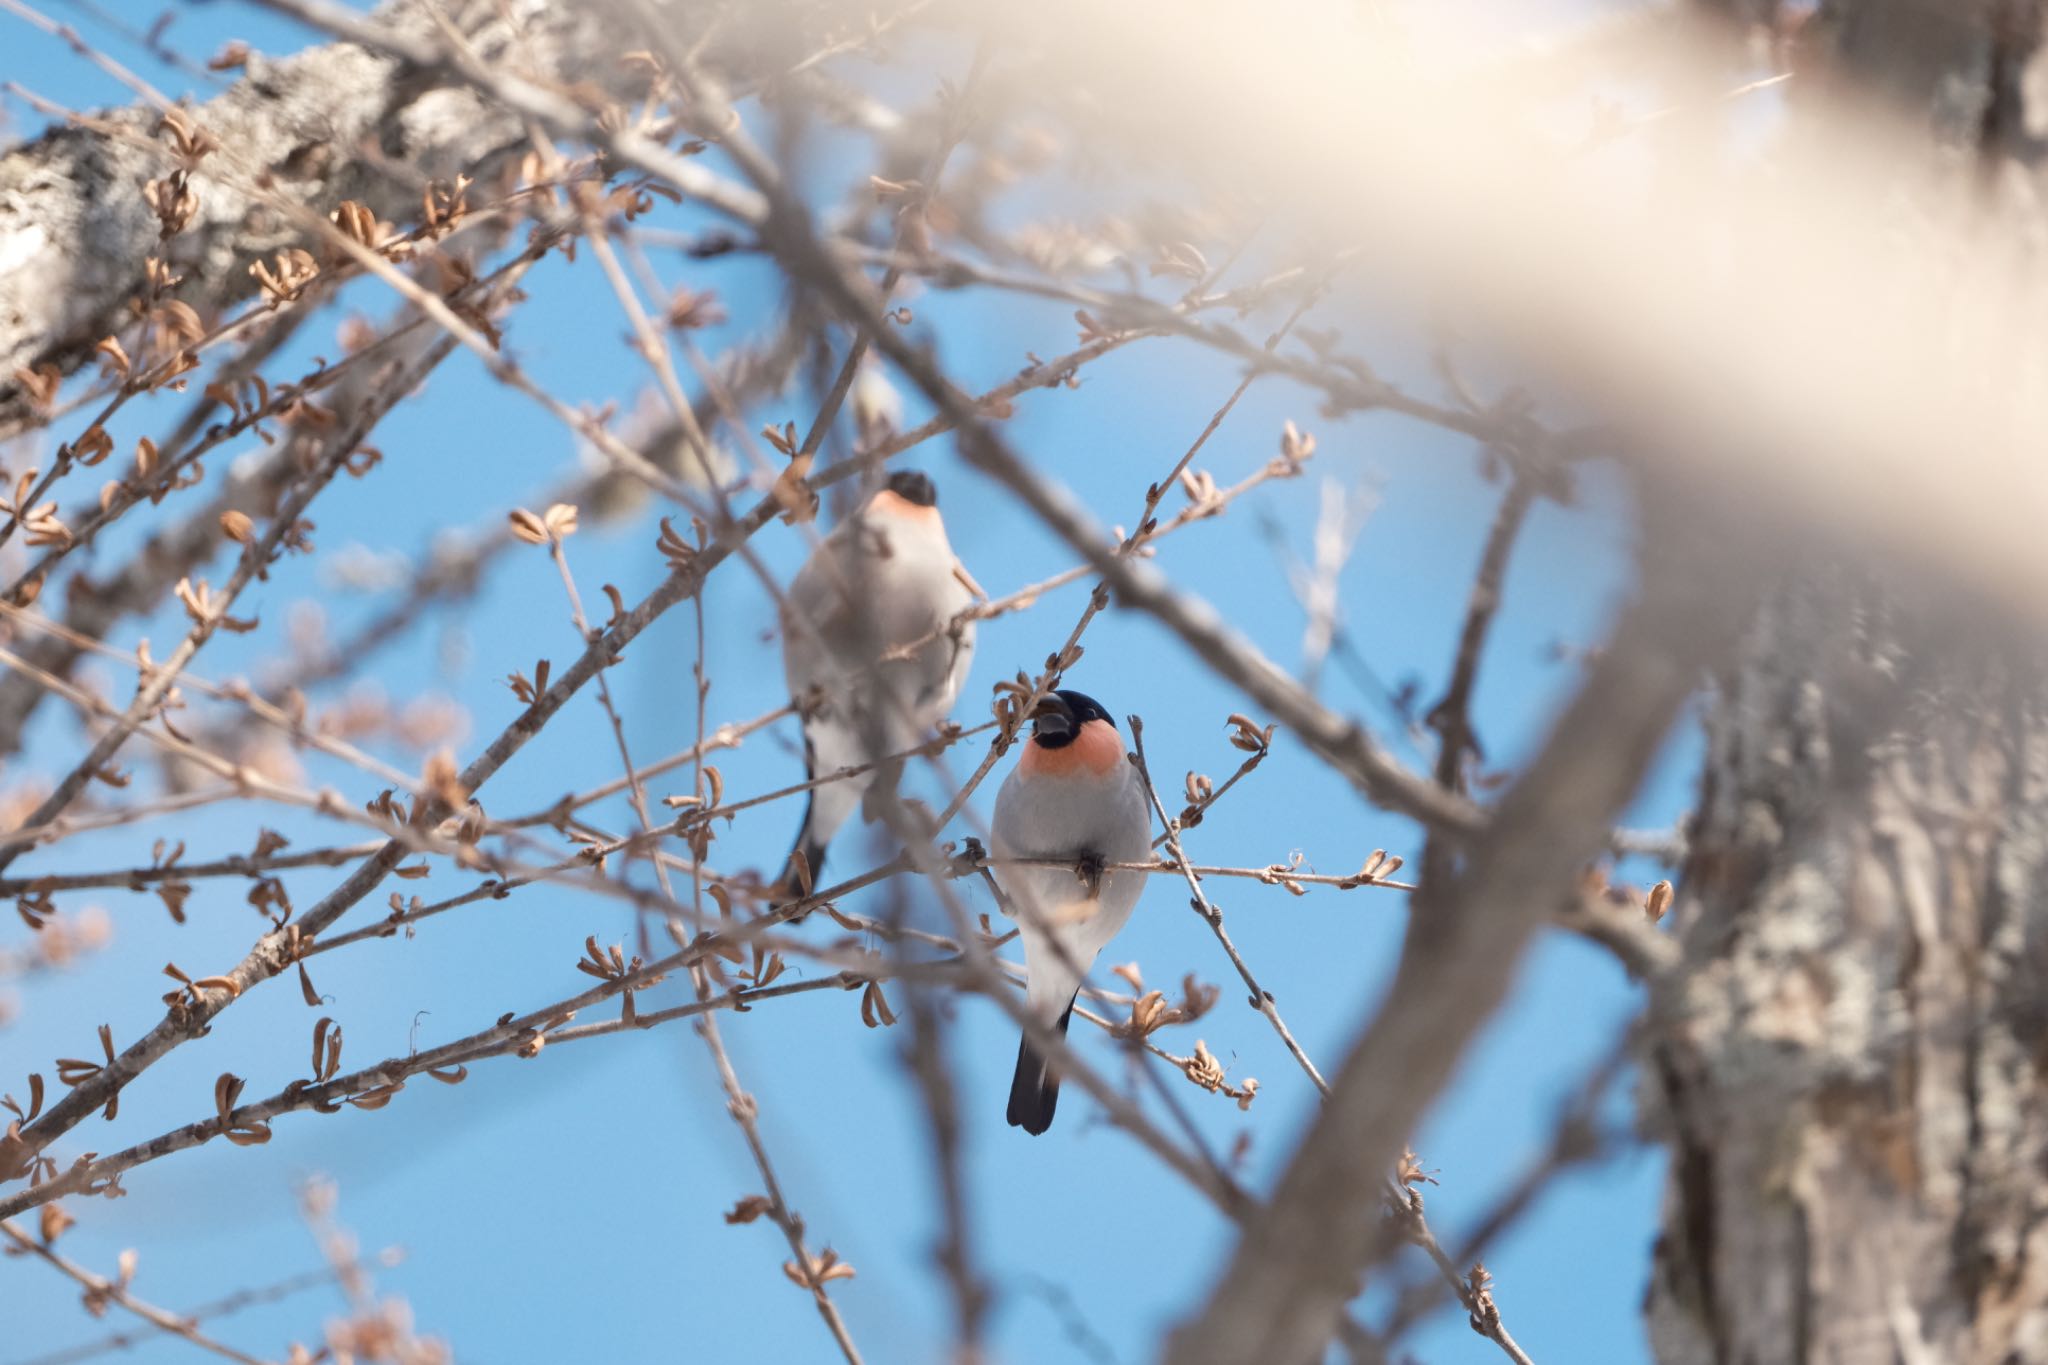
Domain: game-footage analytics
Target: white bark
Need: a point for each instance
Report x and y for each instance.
(1848, 1061)
(329, 124)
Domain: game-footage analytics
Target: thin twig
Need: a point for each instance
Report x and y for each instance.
(1261, 998)
(101, 1290)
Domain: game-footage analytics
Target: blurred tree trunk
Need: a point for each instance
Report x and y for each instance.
(1848, 1062)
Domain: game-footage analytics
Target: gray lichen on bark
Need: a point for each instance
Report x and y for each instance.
(1848, 1060)
(330, 124)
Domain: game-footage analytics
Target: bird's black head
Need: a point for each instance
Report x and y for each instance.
(913, 487)
(1061, 715)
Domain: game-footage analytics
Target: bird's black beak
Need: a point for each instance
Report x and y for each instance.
(1053, 720)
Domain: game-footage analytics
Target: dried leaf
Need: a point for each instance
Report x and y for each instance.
(320, 1028)
(874, 1007)
(560, 520)
(748, 1209)
(51, 1221)
(40, 384)
(528, 527)
(376, 1097)
(111, 348)
(1203, 1068)
(822, 1270)
(1658, 901)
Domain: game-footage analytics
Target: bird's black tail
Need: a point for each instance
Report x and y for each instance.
(808, 845)
(1035, 1090)
(812, 851)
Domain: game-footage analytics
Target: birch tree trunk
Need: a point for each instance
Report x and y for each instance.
(322, 126)
(1848, 1061)
(1849, 1057)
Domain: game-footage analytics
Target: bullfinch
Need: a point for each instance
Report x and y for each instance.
(1073, 797)
(869, 646)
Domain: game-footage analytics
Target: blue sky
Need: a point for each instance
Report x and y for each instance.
(569, 1206)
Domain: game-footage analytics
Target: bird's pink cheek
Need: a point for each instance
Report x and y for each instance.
(891, 504)
(1101, 748)
(1095, 752)
(1039, 761)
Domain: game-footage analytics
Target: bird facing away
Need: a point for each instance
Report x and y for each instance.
(1073, 797)
(869, 648)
